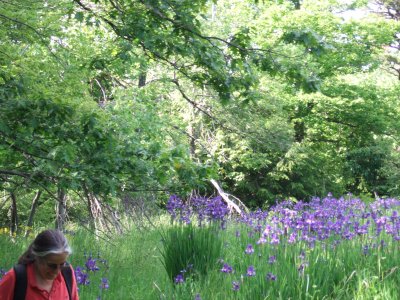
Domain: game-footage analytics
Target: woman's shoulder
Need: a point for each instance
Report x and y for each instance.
(7, 283)
(10, 274)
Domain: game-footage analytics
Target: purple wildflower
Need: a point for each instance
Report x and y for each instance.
(262, 240)
(227, 269)
(270, 277)
(217, 209)
(104, 284)
(179, 279)
(81, 276)
(249, 249)
(197, 297)
(91, 264)
(235, 285)
(292, 238)
(272, 259)
(274, 239)
(174, 205)
(251, 271)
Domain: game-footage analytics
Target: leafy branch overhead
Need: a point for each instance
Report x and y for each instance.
(108, 99)
(170, 32)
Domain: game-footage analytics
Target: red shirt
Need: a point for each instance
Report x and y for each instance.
(33, 292)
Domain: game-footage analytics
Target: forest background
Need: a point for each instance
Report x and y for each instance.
(111, 106)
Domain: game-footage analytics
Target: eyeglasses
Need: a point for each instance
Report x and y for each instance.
(56, 266)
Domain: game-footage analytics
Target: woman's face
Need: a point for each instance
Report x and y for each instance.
(49, 266)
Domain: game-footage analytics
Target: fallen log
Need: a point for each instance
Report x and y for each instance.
(238, 207)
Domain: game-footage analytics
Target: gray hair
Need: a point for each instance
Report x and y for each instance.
(47, 242)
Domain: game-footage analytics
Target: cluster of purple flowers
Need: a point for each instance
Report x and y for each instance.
(92, 265)
(205, 209)
(322, 219)
(318, 221)
(82, 277)
(176, 207)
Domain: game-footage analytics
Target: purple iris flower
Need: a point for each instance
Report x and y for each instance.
(270, 277)
(272, 259)
(292, 238)
(274, 239)
(81, 276)
(262, 240)
(91, 264)
(104, 284)
(251, 271)
(235, 285)
(227, 268)
(249, 249)
(179, 279)
(174, 205)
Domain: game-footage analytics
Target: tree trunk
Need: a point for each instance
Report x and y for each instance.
(14, 215)
(142, 79)
(142, 75)
(94, 209)
(32, 213)
(61, 209)
(92, 221)
(192, 131)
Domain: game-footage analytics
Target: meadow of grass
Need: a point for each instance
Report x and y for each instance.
(326, 249)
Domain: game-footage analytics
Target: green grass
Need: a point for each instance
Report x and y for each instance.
(136, 266)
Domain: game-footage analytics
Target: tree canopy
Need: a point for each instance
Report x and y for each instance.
(107, 98)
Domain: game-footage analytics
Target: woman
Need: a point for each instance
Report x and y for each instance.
(44, 260)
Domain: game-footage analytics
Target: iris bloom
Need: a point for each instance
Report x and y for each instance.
(91, 264)
(81, 276)
(251, 271)
(249, 249)
(272, 259)
(179, 279)
(104, 284)
(270, 277)
(227, 269)
(235, 285)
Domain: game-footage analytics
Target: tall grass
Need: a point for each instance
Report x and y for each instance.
(190, 251)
